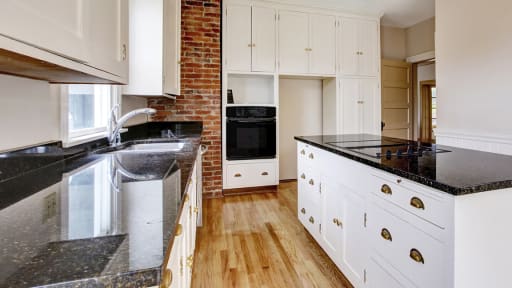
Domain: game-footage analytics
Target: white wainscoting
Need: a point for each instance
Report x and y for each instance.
(501, 144)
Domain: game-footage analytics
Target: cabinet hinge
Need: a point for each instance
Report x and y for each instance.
(365, 219)
(278, 17)
(364, 276)
(320, 188)
(320, 228)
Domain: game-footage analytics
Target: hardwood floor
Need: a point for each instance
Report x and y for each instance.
(257, 241)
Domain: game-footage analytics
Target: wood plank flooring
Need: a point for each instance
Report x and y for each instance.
(257, 241)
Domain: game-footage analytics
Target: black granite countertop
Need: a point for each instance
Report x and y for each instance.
(455, 171)
(94, 218)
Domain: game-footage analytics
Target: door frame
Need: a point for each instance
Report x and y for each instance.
(425, 91)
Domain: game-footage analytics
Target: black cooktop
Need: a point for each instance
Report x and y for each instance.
(390, 151)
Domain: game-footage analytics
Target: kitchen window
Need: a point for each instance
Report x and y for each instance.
(86, 110)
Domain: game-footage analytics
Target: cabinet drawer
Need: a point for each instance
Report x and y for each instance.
(379, 275)
(308, 155)
(309, 182)
(418, 256)
(420, 202)
(251, 175)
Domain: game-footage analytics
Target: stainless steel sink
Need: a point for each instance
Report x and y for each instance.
(155, 147)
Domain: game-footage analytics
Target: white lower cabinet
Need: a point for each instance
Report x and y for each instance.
(251, 175)
(373, 233)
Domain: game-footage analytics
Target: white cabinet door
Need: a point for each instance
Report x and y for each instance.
(350, 111)
(378, 277)
(368, 39)
(59, 26)
(349, 47)
(239, 41)
(263, 39)
(370, 102)
(354, 248)
(109, 36)
(322, 35)
(293, 42)
(172, 47)
(333, 217)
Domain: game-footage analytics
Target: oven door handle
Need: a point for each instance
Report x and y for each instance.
(251, 120)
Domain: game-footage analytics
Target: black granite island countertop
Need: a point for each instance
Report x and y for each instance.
(454, 170)
(96, 219)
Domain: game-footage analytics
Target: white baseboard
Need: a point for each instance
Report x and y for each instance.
(494, 143)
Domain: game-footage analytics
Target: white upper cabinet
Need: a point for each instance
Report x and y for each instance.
(251, 38)
(109, 36)
(263, 39)
(54, 25)
(293, 42)
(307, 43)
(149, 73)
(360, 106)
(359, 47)
(323, 44)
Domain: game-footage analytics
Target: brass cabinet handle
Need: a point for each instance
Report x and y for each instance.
(311, 156)
(398, 181)
(303, 210)
(302, 152)
(179, 230)
(167, 278)
(361, 53)
(386, 235)
(264, 174)
(196, 210)
(386, 189)
(360, 102)
(190, 261)
(238, 175)
(312, 220)
(311, 182)
(417, 203)
(303, 176)
(249, 45)
(253, 45)
(337, 222)
(185, 199)
(416, 256)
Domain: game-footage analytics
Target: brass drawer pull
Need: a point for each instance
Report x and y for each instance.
(238, 175)
(264, 174)
(311, 156)
(416, 256)
(312, 220)
(417, 203)
(303, 210)
(303, 176)
(386, 235)
(179, 230)
(386, 189)
(311, 182)
(337, 222)
(302, 152)
(190, 261)
(167, 278)
(185, 199)
(196, 210)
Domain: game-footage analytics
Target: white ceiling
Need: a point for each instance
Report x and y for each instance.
(397, 13)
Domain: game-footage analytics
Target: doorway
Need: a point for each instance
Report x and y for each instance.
(428, 111)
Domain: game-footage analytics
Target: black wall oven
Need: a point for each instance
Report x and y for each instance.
(250, 133)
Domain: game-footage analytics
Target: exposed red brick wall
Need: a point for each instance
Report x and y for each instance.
(200, 98)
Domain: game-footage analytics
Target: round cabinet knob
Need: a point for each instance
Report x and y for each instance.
(264, 174)
(337, 222)
(311, 156)
(417, 203)
(386, 189)
(303, 176)
(386, 235)
(196, 210)
(179, 229)
(167, 278)
(302, 152)
(238, 175)
(303, 210)
(416, 256)
(311, 182)
(312, 220)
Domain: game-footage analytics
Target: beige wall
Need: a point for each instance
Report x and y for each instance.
(130, 103)
(300, 113)
(420, 38)
(473, 52)
(29, 112)
(392, 43)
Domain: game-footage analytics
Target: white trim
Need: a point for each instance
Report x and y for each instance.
(422, 57)
(494, 143)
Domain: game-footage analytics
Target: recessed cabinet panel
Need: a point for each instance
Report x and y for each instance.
(358, 47)
(370, 106)
(350, 112)
(368, 40)
(323, 44)
(348, 47)
(360, 111)
(293, 42)
(263, 39)
(239, 42)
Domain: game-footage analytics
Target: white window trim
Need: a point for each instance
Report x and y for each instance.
(84, 135)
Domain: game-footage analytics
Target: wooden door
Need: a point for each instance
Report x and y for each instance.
(109, 36)
(370, 102)
(58, 26)
(263, 39)
(368, 43)
(351, 107)
(293, 42)
(239, 42)
(322, 39)
(397, 102)
(172, 47)
(349, 47)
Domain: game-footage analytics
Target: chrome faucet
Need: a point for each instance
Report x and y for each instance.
(115, 124)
